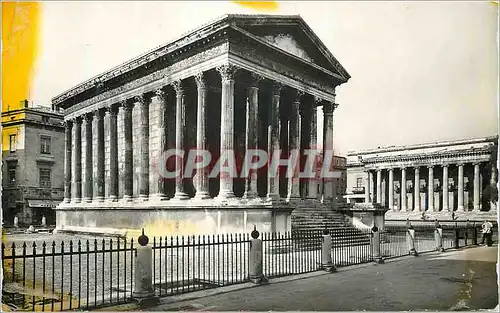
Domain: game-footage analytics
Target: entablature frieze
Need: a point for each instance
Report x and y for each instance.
(200, 63)
(481, 158)
(199, 38)
(189, 67)
(281, 78)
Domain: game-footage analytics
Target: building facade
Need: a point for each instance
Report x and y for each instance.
(238, 83)
(436, 180)
(33, 164)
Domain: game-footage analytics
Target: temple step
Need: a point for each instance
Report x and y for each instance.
(314, 220)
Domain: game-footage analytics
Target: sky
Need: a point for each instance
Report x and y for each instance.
(421, 71)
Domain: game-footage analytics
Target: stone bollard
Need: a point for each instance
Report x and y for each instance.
(44, 221)
(438, 235)
(326, 252)
(255, 260)
(144, 293)
(377, 257)
(410, 239)
(16, 221)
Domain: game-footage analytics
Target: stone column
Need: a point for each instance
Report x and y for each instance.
(128, 179)
(201, 138)
(68, 130)
(493, 181)
(274, 141)
(88, 158)
(416, 189)
(162, 141)
(391, 189)
(294, 145)
(367, 187)
(430, 191)
(403, 189)
(372, 193)
(144, 101)
(328, 108)
(379, 186)
(312, 185)
(460, 187)
(476, 186)
(78, 159)
(227, 128)
(180, 128)
(252, 133)
(113, 152)
(99, 118)
(445, 189)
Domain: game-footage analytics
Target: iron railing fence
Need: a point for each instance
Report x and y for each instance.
(455, 235)
(86, 274)
(184, 264)
(67, 275)
(393, 242)
(351, 246)
(299, 253)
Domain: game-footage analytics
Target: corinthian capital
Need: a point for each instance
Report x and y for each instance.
(127, 105)
(200, 80)
(160, 94)
(78, 120)
(317, 100)
(277, 87)
(112, 109)
(329, 107)
(140, 99)
(226, 72)
(298, 96)
(255, 80)
(68, 124)
(178, 87)
(88, 117)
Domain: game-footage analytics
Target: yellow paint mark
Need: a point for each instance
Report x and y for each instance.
(259, 5)
(20, 39)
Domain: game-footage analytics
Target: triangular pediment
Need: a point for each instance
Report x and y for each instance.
(289, 44)
(292, 35)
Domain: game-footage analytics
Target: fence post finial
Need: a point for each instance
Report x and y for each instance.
(255, 233)
(143, 239)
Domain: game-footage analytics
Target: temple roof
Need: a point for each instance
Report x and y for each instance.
(271, 29)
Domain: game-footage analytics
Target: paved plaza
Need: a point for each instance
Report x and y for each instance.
(454, 280)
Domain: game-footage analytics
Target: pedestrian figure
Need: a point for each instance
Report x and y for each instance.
(487, 230)
(44, 221)
(16, 222)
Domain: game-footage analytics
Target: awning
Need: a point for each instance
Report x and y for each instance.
(42, 203)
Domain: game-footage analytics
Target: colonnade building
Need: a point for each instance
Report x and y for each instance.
(453, 179)
(238, 83)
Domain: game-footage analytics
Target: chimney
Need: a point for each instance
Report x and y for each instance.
(24, 103)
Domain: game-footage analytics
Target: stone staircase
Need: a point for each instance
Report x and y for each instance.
(316, 219)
